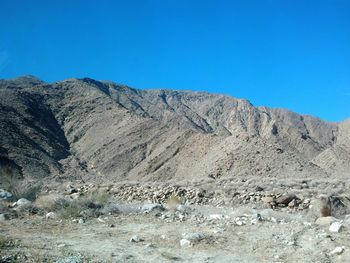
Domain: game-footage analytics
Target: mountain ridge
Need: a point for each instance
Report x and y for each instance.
(100, 129)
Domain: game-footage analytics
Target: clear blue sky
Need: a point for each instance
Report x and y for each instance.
(278, 53)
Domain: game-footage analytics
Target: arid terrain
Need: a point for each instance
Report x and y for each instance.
(94, 171)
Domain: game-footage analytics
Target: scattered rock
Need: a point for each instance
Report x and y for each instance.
(136, 239)
(337, 251)
(5, 195)
(71, 189)
(150, 245)
(75, 195)
(307, 201)
(273, 220)
(191, 238)
(185, 243)
(268, 199)
(259, 189)
(292, 203)
(335, 227)
(285, 199)
(257, 217)
(184, 209)
(336, 206)
(61, 245)
(216, 217)
(239, 223)
(325, 220)
(51, 215)
(152, 207)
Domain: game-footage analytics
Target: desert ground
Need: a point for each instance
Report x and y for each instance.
(167, 223)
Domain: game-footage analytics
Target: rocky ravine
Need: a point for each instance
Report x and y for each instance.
(92, 129)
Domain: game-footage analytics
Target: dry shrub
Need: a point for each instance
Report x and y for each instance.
(12, 181)
(51, 202)
(173, 202)
(90, 205)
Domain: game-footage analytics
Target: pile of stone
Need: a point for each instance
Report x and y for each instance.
(188, 195)
(273, 200)
(285, 200)
(161, 193)
(194, 196)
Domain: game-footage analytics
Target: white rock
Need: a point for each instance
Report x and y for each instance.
(61, 245)
(273, 220)
(51, 215)
(254, 221)
(337, 251)
(216, 217)
(23, 202)
(307, 201)
(81, 221)
(135, 239)
(185, 243)
(335, 227)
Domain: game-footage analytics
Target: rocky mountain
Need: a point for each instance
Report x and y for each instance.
(83, 128)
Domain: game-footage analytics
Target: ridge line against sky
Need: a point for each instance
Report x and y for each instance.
(285, 54)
